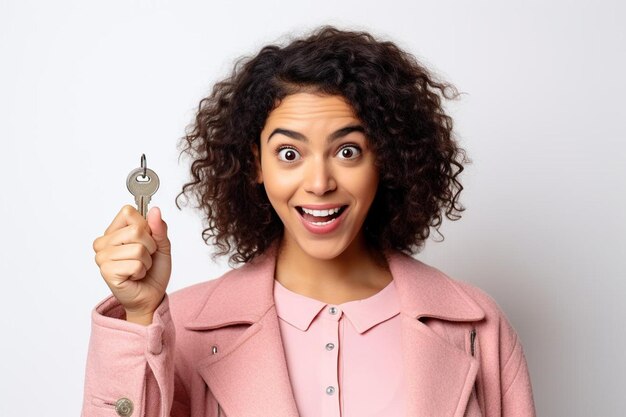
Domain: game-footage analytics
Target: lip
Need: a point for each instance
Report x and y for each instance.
(327, 228)
(322, 206)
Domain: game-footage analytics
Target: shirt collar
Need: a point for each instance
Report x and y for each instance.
(300, 311)
(423, 291)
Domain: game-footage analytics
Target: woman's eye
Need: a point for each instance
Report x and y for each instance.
(350, 152)
(287, 154)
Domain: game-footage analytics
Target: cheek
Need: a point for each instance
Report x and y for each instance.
(273, 182)
(279, 186)
(365, 184)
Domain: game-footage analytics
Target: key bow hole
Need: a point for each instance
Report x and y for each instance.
(141, 178)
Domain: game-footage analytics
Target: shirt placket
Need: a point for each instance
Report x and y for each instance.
(331, 317)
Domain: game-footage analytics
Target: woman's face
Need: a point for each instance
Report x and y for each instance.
(315, 156)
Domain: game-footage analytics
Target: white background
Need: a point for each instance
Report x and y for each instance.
(87, 87)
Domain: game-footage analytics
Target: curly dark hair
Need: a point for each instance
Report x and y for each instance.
(399, 102)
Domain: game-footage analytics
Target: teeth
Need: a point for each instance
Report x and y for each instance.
(322, 223)
(321, 213)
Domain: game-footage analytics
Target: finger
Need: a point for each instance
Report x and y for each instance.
(134, 233)
(133, 251)
(118, 272)
(126, 216)
(159, 230)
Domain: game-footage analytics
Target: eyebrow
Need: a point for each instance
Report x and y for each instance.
(332, 137)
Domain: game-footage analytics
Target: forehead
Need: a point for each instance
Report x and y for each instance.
(309, 106)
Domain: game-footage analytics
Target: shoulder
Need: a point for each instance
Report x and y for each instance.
(483, 299)
(431, 291)
(495, 324)
(500, 351)
(495, 328)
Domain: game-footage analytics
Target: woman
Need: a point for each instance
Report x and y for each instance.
(321, 165)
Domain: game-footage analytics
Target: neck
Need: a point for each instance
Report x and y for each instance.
(357, 273)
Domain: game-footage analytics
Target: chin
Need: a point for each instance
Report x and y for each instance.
(323, 249)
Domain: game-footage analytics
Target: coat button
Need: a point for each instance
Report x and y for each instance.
(330, 390)
(332, 310)
(330, 346)
(124, 407)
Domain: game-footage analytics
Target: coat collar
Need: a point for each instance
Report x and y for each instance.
(423, 291)
(248, 376)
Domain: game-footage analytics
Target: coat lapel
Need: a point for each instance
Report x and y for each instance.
(439, 375)
(249, 375)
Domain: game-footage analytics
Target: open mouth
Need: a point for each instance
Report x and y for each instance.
(320, 220)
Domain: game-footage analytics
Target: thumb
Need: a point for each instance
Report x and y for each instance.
(159, 230)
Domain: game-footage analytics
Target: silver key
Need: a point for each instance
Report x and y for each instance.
(142, 183)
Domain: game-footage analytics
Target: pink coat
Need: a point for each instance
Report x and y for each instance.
(214, 349)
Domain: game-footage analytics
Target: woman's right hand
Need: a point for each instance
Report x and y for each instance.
(134, 256)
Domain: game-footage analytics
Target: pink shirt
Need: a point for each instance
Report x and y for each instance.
(343, 360)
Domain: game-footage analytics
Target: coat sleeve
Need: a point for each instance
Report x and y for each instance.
(516, 391)
(130, 368)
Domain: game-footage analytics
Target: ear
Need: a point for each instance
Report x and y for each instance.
(257, 163)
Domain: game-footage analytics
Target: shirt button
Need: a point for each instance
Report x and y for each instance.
(330, 390)
(332, 310)
(124, 407)
(330, 346)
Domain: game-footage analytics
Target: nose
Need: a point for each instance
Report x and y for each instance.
(319, 178)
